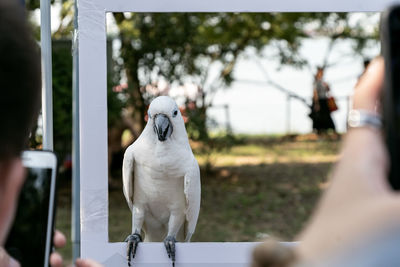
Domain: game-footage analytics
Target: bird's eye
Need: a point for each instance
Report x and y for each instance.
(175, 113)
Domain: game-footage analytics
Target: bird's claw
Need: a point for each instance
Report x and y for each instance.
(133, 240)
(169, 243)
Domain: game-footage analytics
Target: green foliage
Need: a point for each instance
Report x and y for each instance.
(181, 45)
(66, 16)
(34, 4)
(66, 26)
(62, 97)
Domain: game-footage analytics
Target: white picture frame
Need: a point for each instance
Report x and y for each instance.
(93, 125)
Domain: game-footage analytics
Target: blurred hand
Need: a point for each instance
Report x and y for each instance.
(359, 201)
(59, 241)
(87, 263)
(56, 259)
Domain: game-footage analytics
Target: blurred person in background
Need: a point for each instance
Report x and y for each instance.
(320, 110)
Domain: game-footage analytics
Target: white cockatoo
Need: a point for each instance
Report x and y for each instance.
(161, 180)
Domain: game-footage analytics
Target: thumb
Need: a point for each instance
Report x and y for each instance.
(6, 260)
(368, 90)
(87, 263)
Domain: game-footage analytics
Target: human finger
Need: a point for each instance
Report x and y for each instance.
(87, 263)
(56, 260)
(59, 239)
(368, 90)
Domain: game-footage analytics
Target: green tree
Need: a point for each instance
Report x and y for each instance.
(181, 47)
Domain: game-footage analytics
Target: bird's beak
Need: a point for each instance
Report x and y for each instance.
(162, 127)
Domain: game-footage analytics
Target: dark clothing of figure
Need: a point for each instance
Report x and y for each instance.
(321, 118)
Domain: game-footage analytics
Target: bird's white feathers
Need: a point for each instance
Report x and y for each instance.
(162, 178)
(127, 176)
(192, 194)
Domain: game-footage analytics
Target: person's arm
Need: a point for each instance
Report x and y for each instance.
(359, 200)
(359, 203)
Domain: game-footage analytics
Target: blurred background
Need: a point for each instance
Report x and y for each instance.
(244, 83)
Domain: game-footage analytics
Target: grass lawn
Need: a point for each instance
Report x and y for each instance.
(262, 187)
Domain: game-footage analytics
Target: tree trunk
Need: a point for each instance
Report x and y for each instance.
(136, 100)
(203, 133)
(131, 65)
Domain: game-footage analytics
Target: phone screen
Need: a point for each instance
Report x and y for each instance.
(27, 239)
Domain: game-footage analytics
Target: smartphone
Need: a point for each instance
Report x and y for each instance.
(30, 238)
(390, 45)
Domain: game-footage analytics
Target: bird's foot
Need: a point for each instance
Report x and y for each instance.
(169, 243)
(133, 240)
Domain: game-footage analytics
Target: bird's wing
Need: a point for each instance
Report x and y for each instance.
(192, 189)
(128, 176)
